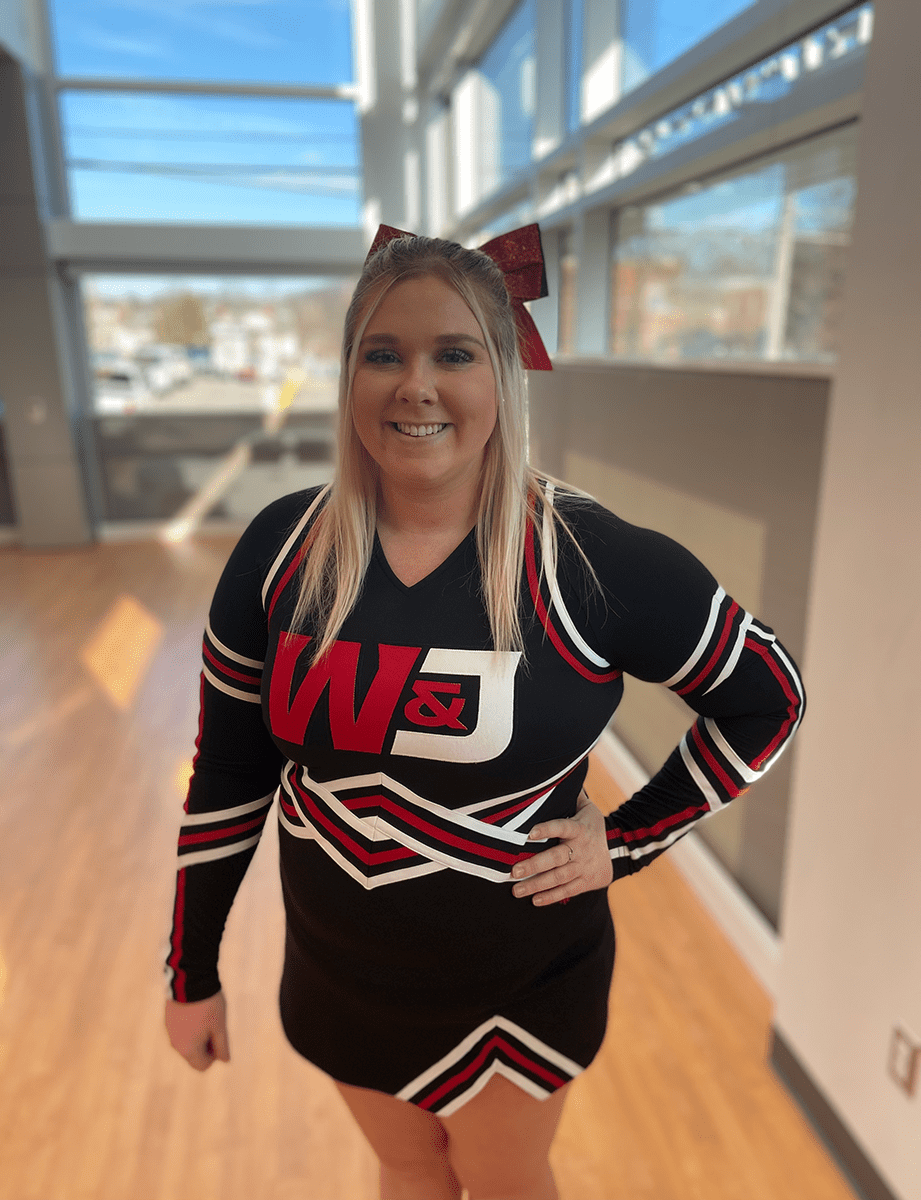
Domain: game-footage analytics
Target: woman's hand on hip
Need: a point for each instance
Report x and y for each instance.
(580, 863)
(198, 1030)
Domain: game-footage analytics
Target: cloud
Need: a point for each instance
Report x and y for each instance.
(115, 43)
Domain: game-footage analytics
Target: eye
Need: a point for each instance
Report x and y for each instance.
(381, 357)
(454, 354)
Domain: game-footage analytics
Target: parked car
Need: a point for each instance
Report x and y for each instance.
(120, 385)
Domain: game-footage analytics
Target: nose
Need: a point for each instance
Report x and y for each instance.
(417, 385)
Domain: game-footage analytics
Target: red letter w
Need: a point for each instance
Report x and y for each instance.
(290, 716)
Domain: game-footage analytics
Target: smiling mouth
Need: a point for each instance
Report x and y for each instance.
(418, 431)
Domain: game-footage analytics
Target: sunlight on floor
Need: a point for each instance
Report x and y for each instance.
(120, 651)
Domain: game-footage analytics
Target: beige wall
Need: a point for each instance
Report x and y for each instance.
(851, 965)
(728, 464)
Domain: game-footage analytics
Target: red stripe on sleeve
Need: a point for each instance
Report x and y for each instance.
(633, 835)
(215, 835)
(732, 788)
(721, 644)
(253, 679)
(179, 980)
(792, 710)
(541, 610)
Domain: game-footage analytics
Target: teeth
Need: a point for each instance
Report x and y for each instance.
(419, 430)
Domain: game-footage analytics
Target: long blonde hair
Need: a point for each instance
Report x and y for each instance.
(341, 540)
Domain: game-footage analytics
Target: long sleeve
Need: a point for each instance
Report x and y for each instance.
(666, 620)
(750, 699)
(236, 766)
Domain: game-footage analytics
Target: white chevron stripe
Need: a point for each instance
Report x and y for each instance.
(718, 596)
(309, 833)
(250, 697)
(730, 664)
(283, 552)
(246, 662)
(481, 1080)
(376, 826)
(227, 814)
(472, 1039)
(556, 598)
(698, 776)
(201, 856)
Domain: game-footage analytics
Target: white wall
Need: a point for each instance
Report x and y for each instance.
(851, 922)
(16, 33)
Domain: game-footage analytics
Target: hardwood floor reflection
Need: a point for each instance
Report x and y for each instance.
(96, 731)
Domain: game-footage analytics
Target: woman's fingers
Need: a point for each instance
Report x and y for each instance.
(580, 863)
(198, 1030)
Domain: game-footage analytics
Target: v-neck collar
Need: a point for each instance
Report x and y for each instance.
(459, 551)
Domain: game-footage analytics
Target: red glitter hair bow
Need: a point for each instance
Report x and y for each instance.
(520, 257)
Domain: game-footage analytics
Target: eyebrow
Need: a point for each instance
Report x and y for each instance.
(444, 339)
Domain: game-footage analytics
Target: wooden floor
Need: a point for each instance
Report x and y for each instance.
(99, 662)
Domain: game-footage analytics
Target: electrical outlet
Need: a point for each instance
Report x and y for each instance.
(905, 1059)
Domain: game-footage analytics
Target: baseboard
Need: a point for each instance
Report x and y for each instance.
(853, 1163)
(752, 936)
(147, 531)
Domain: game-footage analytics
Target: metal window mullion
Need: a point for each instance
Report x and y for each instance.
(79, 83)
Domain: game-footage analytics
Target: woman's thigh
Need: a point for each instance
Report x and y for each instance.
(404, 1137)
(499, 1140)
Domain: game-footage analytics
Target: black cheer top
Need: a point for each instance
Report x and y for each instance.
(409, 766)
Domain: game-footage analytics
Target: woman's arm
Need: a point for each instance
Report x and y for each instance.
(236, 765)
(665, 619)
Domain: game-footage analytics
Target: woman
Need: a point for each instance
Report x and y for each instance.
(426, 652)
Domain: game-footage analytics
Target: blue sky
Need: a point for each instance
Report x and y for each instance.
(248, 160)
(264, 41)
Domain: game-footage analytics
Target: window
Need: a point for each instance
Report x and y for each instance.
(272, 41)
(507, 96)
(654, 32)
(574, 27)
(229, 159)
(746, 265)
(212, 392)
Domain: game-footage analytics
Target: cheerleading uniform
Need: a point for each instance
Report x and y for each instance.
(414, 759)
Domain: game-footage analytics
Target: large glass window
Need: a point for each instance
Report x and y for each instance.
(574, 31)
(212, 395)
(263, 41)
(655, 32)
(507, 96)
(229, 159)
(747, 265)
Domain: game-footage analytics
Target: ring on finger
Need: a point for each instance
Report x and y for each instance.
(570, 854)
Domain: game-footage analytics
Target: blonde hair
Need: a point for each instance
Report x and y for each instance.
(341, 540)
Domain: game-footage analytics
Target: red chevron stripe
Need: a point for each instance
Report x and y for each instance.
(496, 1042)
(368, 857)
(450, 839)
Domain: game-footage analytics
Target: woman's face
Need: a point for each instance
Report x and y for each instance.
(424, 398)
